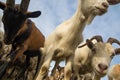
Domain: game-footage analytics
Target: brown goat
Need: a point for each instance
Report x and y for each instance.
(21, 32)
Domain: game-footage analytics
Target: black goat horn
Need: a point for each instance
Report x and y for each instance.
(24, 5)
(117, 51)
(10, 3)
(97, 37)
(112, 40)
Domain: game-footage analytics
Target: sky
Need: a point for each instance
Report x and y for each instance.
(55, 12)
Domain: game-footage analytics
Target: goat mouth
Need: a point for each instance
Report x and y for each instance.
(99, 72)
(102, 10)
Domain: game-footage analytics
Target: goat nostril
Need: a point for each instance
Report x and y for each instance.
(102, 66)
(105, 4)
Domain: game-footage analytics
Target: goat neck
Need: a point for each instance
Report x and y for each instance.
(23, 33)
(80, 19)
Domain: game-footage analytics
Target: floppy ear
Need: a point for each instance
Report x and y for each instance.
(2, 5)
(33, 14)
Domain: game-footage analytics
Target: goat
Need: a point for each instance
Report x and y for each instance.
(114, 72)
(21, 32)
(16, 67)
(94, 57)
(62, 42)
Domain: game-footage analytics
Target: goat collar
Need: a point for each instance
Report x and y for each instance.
(22, 37)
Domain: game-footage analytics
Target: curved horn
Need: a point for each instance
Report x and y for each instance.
(112, 40)
(24, 5)
(97, 37)
(113, 2)
(10, 3)
(117, 51)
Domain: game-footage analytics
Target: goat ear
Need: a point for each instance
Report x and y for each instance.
(33, 14)
(2, 5)
(89, 44)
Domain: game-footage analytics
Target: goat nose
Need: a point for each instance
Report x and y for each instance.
(105, 4)
(102, 66)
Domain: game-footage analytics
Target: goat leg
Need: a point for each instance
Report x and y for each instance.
(26, 65)
(37, 67)
(3, 69)
(55, 67)
(6, 63)
(12, 71)
(11, 58)
(38, 54)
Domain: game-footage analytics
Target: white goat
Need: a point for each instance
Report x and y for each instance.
(62, 42)
(94, 58)
(114, 72)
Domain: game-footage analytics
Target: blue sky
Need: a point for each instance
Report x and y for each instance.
(55, 12)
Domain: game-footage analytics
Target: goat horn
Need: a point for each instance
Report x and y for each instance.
(97, 37)
(112, 40)
(81, 45)
(10, 3)
(113, 2)
(117, 51)
(24, 5)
